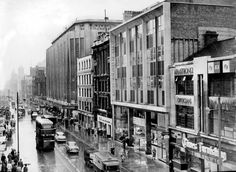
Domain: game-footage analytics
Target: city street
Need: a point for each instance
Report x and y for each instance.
(59, 161)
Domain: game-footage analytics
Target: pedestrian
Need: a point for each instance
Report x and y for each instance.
(9, 156)
(25, 169)
(14, 168)
(4, 166)
(3, 158)
(154, 154)
(20, 163)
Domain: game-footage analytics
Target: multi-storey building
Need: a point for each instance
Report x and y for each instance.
(38, 81)
(141, 51)
(203, 91)
(61, 62)
(85, 92)
(101, 83)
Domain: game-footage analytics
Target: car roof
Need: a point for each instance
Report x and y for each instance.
(70, 142)
(59, 132)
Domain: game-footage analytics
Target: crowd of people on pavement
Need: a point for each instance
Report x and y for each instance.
(12, 163)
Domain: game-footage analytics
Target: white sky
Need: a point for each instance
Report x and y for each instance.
(27, 27)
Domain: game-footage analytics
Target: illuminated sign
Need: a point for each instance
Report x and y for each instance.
(184, 100)
(186, 70)
(187, 144)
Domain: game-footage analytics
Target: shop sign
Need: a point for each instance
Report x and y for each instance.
(226, 66)
(184, 100)
(213, 151)
(105, 120)
(187, 144)
(214, 67)
(185, 70)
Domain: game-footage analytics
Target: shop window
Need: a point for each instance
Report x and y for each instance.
(185, 116)
(222, 85)
(153, 118)
(184, 85)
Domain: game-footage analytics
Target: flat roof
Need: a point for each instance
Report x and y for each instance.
(85, 21)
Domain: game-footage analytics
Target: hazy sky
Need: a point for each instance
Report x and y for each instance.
(27, 27)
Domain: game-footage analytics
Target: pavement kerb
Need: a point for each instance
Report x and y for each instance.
(89, 145)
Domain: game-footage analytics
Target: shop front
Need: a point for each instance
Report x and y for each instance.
(120, 122)
(139, 132)
(104, 125)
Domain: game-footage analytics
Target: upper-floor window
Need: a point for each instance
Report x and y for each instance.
(123, 43)
(150, 33)
(184, 85)
(132, 37)
(139, 37)
(117, 49)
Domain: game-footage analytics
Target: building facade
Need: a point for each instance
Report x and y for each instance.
(203, 92)
(38, 81)
(85, 92)
(141, 51)
(101, 83)
(61, 62)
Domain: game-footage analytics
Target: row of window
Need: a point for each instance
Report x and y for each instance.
(102, 102)
(84, 65)
(137, 33)
(85, 92)
(86, 106)
(85, 79)
(102, 86)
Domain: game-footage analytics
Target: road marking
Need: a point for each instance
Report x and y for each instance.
(64, 155)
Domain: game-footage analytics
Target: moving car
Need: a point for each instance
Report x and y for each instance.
(34, 115)
(60, 137)
(71, 147)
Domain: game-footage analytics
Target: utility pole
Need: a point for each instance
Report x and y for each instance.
(105, 18)
(17, 120)
(219, 139)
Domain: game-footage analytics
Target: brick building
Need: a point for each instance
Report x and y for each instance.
(141, 51)
(101, 83)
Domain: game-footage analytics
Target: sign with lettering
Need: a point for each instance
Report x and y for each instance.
(184, 70)
(184, 100)
(213, 151)
(187, 144)
(105, 120)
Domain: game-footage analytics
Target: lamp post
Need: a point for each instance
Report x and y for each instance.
(17, 119)
(219, 139)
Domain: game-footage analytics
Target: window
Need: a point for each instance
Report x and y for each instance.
(150, 33)
(77, 47)
(185, 116)
(116, 46)
(160, 67)
(117, 95)
(123, 43)
(150, 96)
(132, 36)
(139, 37)
(153, 68)
(132, 95)
(184, 85)
(82, 47)
(141, 96)
(222, 85)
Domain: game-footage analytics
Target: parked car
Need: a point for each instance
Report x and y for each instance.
(60, 136)
(71, 147)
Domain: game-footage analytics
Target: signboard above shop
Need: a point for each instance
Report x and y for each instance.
(225, 66)
(184, 70)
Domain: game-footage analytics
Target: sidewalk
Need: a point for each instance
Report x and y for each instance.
(134, 161)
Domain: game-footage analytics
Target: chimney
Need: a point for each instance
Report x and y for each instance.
(210, 37)
(130, 14)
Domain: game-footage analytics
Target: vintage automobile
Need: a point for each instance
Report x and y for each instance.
(71, 147)
(60, 136)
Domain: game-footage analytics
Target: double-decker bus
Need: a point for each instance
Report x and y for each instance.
(45, 134)
(51, 118)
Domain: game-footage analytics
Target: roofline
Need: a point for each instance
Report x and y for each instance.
(85, 21)
(158, 4)
(151, 8)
